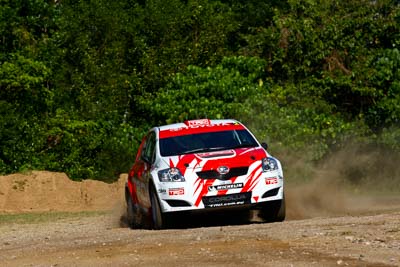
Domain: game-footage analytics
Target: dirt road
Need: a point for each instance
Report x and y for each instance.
(318, 232)
(369, 240)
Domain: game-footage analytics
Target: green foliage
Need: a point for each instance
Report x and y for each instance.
(25, 25)
(89, 148)
(390, 137)
(329, 45)
(386, 80)
(182, 33)
(23, 83)
(304, 124)
(206, 92)
(82, 81)
(24, 102)
(20, 140)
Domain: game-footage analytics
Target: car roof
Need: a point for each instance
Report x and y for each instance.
(198, 126)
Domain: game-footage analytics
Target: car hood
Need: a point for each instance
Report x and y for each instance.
(230, 158)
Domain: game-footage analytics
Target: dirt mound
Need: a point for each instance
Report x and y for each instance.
(40, 191)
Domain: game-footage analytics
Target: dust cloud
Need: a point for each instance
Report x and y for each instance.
(353, 180)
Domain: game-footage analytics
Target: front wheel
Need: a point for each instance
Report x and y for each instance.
(158, 219)
(134, 217)
(274, 211)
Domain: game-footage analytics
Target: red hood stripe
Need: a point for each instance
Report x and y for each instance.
(252, 180)
(204, 189)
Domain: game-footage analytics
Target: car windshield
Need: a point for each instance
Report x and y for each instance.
(205, 142)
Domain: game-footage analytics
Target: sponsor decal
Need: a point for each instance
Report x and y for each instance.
(227, 200)
(194, 128)
(176, 191)
(162, 191)
(272, 180)
(216, 205)
(194, 123)
(224, 187)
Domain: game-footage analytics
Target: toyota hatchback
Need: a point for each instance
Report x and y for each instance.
(202, 165)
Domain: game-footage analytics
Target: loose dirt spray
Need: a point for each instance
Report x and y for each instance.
(351, 181)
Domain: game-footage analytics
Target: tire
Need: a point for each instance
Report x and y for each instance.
(131, 214)
(158, 219)
(274, 211)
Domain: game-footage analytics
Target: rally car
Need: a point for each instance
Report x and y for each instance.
(202, 165)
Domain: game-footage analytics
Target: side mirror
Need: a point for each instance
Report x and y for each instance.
(264, 145)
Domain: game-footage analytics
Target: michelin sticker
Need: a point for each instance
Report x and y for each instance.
(224, 187)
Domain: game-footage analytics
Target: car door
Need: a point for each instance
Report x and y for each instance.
(144, 163)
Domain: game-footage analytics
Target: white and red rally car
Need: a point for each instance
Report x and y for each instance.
(202, 165)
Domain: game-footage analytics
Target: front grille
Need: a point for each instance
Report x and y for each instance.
(213, 174)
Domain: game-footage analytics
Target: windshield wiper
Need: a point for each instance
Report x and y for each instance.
(205, 149)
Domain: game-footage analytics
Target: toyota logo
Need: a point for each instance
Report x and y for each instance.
(222, 170)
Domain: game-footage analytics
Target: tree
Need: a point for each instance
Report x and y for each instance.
(216, 92)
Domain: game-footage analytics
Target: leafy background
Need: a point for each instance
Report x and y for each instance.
(81, 80)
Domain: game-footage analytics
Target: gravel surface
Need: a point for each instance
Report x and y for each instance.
(326, 226)
(364, 240)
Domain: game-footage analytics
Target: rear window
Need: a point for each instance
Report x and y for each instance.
(205, 142)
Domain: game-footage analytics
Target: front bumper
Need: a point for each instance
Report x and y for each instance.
(249, 191)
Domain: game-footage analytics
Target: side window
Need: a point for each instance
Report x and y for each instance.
(148, 153)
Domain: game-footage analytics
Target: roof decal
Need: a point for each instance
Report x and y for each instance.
(199, 127)
(193, 123)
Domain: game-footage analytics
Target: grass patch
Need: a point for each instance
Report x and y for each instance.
(41, 217)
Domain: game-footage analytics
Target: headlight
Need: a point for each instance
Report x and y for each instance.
(170, 175)
(269, 164)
